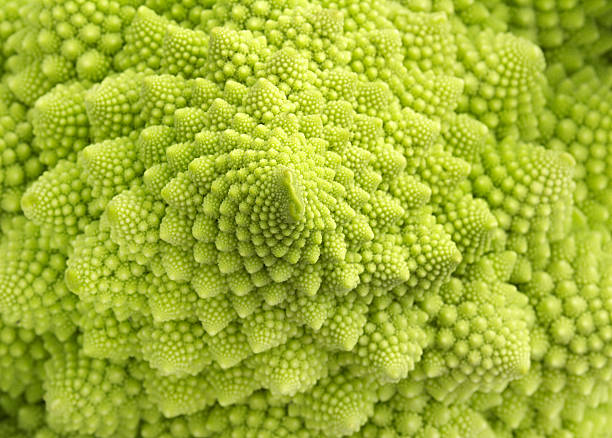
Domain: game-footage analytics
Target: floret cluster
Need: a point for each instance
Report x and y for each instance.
(305, 218)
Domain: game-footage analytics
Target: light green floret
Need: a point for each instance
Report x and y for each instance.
(297, 212)
(60, 124)
(576, 316)
(433, 255)
(88, 395)
(427, 40)
(92, 66)
(432, 95)
(338, 404)
(169, 300)
(173, 395)
(524, 185)
(32, 292)
(204, 92)
(106, 337)
(480, 340)
(503, 80)
(110, 167)
(268, 328)
(59, 200)
(260, 415)
(28, 83)
(176, 228)
(21, 417)
(184, 198)
(288, 70)
(184, 52)
(409, 412)
(113, 106)
(131, 291)
(228, 346)
(290, 368)
(187, 123)
(161, 96)
(392, 340)
(233, 385)
(234, 55)
(343, 328)
(289, 196)
(143, 48)
(23, 355)
(178, 263)
(465, 137)
(383, 49)
(569, 373)
(572, 33)
(134, 217)
(578, 123)
(468, 221)
(152, 143)
(19, 161)
(12, 24)
(174, 348)
(70, 41)
(57, 67)
(99, 275)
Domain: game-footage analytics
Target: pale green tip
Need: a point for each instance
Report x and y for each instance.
(165, 233)
(28, 203)
(316, 322)
(349, 342)
(112, 214)
(350, 424)
(524, 364)
(456, 257)
(296, 206)
(71, 278)
(287, 388)
(567, 159)
(491, 223)
(395, 371)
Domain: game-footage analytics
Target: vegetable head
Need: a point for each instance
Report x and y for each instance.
(302, 218)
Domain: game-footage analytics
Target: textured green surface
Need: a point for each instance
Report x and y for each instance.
(274, 218)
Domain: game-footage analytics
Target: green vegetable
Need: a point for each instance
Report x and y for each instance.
(293, 218)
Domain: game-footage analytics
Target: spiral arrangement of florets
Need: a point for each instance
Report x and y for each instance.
(303, 218)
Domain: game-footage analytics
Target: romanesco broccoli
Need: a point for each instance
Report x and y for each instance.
(305, 218)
